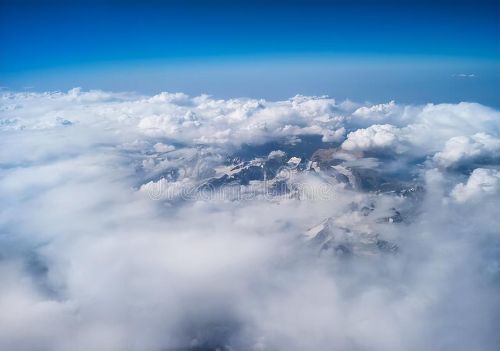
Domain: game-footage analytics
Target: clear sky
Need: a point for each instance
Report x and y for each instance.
(412, 51)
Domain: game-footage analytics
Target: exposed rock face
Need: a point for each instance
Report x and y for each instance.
(277, 174)
(327, 237)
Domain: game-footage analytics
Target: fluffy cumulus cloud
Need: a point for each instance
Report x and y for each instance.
(375, 137)
(172, 222)
(465, 149)
(482, 183)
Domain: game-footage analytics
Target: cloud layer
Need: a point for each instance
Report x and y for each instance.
(173, 222)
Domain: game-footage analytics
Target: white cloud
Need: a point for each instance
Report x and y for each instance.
(466, 149)
(160, 147)
(481, 183)
(464, 75)
(375, 137)
(424, 131)
(390, 112)
(103, 246)
(276, 154)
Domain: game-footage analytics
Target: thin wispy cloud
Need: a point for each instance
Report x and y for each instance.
(464, 75)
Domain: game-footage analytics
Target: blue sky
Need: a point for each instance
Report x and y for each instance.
(413, 51)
